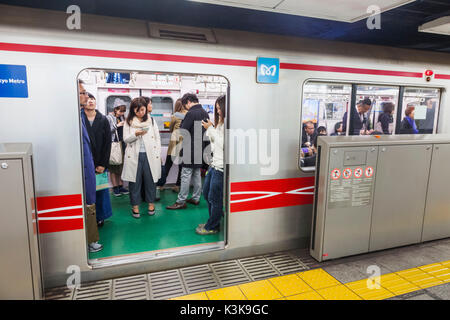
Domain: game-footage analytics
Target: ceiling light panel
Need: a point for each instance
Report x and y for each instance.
(338, 10)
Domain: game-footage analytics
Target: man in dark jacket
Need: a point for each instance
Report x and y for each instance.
(193, 147)
(359, 119)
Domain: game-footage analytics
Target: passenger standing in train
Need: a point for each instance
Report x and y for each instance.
(173, 151)
(385, 120)
(408, 125)
(193, 147)
(89, 177)
(359, 120)
(116, 122)
(310, 133)
(100, 135)
(213, 186)
(142, 165)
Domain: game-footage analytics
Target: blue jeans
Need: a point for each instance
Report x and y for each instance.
(213, 193)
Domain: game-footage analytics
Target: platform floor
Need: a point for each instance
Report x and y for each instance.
(416, 272)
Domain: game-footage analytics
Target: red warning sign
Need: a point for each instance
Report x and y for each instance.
(358, 172)
(369, 172)
(347, 173)
(335, 174)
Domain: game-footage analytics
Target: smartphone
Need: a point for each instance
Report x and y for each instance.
(145, 129)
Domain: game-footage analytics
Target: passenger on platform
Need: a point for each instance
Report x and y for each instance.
(100, 134)
(359, 119)
(173, 151)
(89, 177)
(385, 119)
(309, 134)
(408, 125)
(142, 165)
(116, 122)
(193, 147)
(338, 129)
(213, 185)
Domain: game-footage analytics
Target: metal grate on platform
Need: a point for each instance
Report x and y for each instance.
(285, 263)
(131, 288)
(258, 268)
(165, 285)
(62, 293)
(100, 290)
(199, 278)
(229, 273)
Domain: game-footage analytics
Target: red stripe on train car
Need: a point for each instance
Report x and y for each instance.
(268, 194)
(62, 213)
(53, 202)
(49, 226)
(442, 76)
(294, 66)
(122, 54)
(192, 59)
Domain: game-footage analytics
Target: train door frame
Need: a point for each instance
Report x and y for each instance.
(155, 255)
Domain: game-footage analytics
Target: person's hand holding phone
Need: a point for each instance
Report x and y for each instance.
(206, 124)
(140, 132)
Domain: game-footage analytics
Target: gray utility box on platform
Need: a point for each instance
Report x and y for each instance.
(20, 276)
(374, 193)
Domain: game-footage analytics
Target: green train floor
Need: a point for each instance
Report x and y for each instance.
(122, 234)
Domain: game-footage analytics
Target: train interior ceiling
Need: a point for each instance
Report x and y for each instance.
(167, 232)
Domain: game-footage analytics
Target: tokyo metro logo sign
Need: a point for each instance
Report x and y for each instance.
(268, 70)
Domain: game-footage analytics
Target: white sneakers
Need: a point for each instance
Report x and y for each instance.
(95, 247)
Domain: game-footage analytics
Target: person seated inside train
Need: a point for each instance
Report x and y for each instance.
(142, 165)
(308, 134)
(359, 119)
(213, 185)
(310, 160)
(173, 151)
(385, 119)
(100, 135)
(408, 125)
(338, 129)
(116, 122)
(193, 160)
(322, 131)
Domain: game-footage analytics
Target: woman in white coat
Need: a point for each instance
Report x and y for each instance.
(142, 162)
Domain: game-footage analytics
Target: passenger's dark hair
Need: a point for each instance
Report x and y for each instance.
(388, 107)
(337, 125)
(122, 108)
(91, 96)
(321, 128)
(189, 97)
(137, 103)
(147, 100)
(222, 105)
(365, 101)
(80, 81)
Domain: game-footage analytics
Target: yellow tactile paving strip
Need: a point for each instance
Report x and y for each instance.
(317, 284)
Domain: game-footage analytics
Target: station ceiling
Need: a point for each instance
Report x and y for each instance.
(399, 26)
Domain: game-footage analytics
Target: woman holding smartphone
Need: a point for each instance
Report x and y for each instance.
(142, 162)
(213, 185)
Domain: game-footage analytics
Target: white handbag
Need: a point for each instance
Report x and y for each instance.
(115, 159)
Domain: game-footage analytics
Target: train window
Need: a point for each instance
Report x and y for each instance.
(420, 110)
(115, 101)
(323, 109)
(173, 230)
(375, 111)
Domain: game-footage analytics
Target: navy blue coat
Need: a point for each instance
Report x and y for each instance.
(88, 161)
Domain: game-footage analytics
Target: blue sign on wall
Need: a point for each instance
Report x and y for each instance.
(267, 70)
(13, 81)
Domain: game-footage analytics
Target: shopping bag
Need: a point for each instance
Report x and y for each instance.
(101, 181)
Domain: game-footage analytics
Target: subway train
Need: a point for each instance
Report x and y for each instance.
(268, 194)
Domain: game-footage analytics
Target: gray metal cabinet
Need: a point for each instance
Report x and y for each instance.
(400, 194)
(20, 276)
(437, 213)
